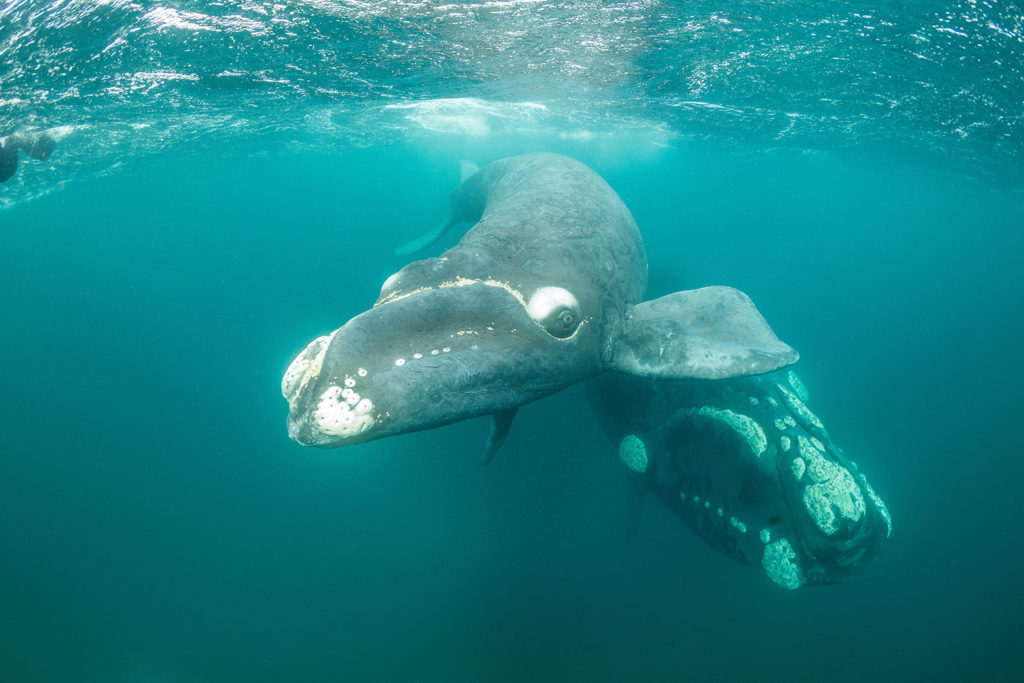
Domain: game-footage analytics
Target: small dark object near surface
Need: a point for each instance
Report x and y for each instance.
(39, 148)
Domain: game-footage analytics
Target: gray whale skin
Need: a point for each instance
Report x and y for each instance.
(543, 291)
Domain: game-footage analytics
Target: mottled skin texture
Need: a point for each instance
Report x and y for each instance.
(698, 456)
(541, 220)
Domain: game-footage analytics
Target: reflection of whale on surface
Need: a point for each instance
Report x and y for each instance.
(38, 147)
(542, 292)
(747, 464)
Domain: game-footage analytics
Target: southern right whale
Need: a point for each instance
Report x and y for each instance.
(542, 292)
(750, 468)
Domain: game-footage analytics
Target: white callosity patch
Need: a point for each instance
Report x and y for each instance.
(305, 367)
(766, 535)
(343, 412)
(798, 407)
(784, 442)
(738, 525)
(782, 565)
(784, 423)
(832, 494)
(744, 425)
(799, 466)
(798, 386)
(633, 453)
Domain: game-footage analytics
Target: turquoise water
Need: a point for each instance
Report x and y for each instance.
(231, 180)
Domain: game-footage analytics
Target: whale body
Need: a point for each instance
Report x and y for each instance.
(543, 291)
(750, 468)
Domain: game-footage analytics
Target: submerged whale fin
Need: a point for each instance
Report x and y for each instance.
(427, 238)
(467, 169)
(499, 430)
(708, 333)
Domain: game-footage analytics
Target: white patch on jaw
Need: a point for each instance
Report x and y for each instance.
(633, 452)
(336, 417)
(782, 564)
(305, 367)
(399, 362)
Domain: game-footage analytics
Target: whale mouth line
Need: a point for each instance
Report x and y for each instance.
(461, 281)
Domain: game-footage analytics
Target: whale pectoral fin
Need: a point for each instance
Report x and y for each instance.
(463, 209)
(707, 333)
(467, 169)
(427, 238)
(499, 430)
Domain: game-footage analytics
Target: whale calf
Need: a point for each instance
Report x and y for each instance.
(543, 291)
(750, 468)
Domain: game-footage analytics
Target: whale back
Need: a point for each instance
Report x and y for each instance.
(542, 220)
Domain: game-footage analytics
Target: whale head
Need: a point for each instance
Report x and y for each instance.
(752, 470)
(434, 356)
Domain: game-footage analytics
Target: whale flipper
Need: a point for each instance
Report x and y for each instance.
(707, 333)
(467, 169)
(499, 430)
(426, 239)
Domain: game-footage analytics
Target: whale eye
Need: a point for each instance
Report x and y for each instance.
(556, 310)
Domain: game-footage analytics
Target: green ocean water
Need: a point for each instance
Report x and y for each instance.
(157, 525)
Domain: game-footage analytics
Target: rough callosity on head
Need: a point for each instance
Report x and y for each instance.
(833, 495)
(782, 564)
(801, 410)
(742, 424)
(306, 366)
(798, 386)
(342, 412)
(633, 453)
(799, 466)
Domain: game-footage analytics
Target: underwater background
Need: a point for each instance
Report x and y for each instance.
(230, 181)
